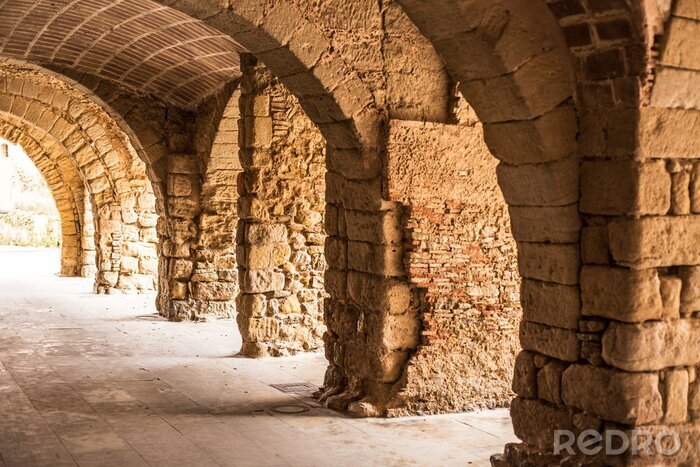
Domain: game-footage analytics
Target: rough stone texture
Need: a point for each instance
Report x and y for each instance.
(280, 232)
(83, 145)
(579, 99)
(461, 264)
(652, 346)
(629, 398)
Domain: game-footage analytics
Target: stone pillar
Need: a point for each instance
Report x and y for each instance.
(280, 232)
(197, 263)
(88, 262)
(5, 178)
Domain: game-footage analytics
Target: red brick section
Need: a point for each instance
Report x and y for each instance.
(138, 43)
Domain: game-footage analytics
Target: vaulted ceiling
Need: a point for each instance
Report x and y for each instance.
(140, 44)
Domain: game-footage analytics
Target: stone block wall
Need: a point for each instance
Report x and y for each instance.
(622, 353)
(280, 244)
(88, 260)
(461, 262)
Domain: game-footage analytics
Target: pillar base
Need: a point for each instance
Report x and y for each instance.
(197, 310)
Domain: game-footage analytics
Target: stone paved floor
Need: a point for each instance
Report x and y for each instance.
(101, 380)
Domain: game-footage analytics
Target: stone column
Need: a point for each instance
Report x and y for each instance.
(88, 262)
(197, 260)
(280, 231)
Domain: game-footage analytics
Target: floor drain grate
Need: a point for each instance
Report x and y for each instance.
(295, 388)
(290, 409)
(153, 317)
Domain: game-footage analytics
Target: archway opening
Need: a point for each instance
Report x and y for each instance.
(38, 209)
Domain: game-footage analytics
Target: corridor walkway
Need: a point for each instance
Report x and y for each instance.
(101, 380)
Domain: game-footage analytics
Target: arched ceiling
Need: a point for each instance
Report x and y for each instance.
(140, 44)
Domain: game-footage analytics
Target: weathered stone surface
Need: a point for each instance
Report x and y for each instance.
(655, 241)
(690, 289)
(653, 345)
(550, 184)
(547, 138)
(525, 376)
(594, 245)
(554, 342)
(625, 187)
(257, 281)
(535, 422)
(549, 382)
(622, 294)
(549, 262)
(551, 304)
(675, 394)
(545, 224)
(630, 398)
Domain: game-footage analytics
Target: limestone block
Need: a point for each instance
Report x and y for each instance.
(557, 263)
(290, 305)
(376, 259)
(261, 329)
(676, 397)
(204, 276)
(178, 290)
(551, 304)
(534, 421)
(182, 164)
(147, 219)
(336, 283)
(629, 398)
(547, 138)
(129, 215)
(656, 241)
(355, 164)
(213, 291)
(549, 382)
(400, 332)
(381, 227)
(594, 245)
(258, 132)
(149, 235)
(258, 281)
(549, 184)
(253, 305)
(336, 253)
(681, 49)
(148, 266)
(622, 294)
(680, 190)
(258, 234)
(652, 346)
(525, 375)
(129, 265)
(173, 250)
(687, 9)
(621, 187)
(267, 255)
(670, 289)
(109, 278)
(694, 399)
(179, 185)
(554, 342)
(391, 365)
(182, 207)
(560, 224)
(690, 289)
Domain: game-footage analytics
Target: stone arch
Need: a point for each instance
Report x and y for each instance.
(107, 162)
(572, 370)
(68, 191)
